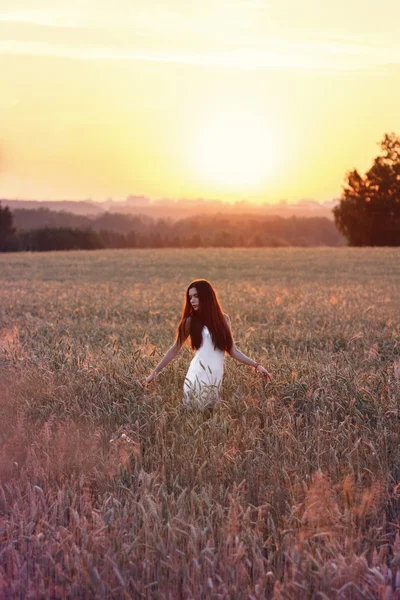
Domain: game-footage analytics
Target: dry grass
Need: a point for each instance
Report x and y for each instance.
(289, 490)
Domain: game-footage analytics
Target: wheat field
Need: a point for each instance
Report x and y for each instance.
(289, 490)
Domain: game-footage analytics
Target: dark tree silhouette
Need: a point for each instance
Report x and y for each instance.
(60, 238)
(369, 210)
(7, 229)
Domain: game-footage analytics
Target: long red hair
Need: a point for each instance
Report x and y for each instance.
(209, 313)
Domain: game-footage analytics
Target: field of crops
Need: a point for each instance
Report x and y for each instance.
(289, 490)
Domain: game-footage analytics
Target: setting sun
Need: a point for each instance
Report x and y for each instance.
(235, 150)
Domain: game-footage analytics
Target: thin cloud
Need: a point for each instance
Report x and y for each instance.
(278, 55)
(190, 34)
(43, 18)
(196, 18)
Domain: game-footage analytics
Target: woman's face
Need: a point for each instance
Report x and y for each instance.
(194, 298)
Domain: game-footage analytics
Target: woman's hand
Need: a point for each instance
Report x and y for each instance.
(263, 372)
(150, 378)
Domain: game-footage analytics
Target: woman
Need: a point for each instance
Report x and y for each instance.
(210, 336)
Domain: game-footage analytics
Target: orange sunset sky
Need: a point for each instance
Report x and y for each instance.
(238, 99)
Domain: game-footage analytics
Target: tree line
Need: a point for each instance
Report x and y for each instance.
(127, 231)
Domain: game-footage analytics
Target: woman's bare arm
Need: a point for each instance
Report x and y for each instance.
(171, 353)
(235, 353)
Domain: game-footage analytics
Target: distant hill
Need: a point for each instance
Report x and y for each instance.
(77, 208)
(177, 209)
(221, 229)
(28, 219)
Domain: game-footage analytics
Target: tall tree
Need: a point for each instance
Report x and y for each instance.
(369, 211)
(7, 229)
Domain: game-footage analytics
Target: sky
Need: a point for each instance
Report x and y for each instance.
(232, 100)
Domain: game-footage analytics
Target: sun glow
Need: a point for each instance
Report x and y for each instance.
(236, 151)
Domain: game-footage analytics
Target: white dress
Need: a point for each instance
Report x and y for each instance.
(203, 380)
